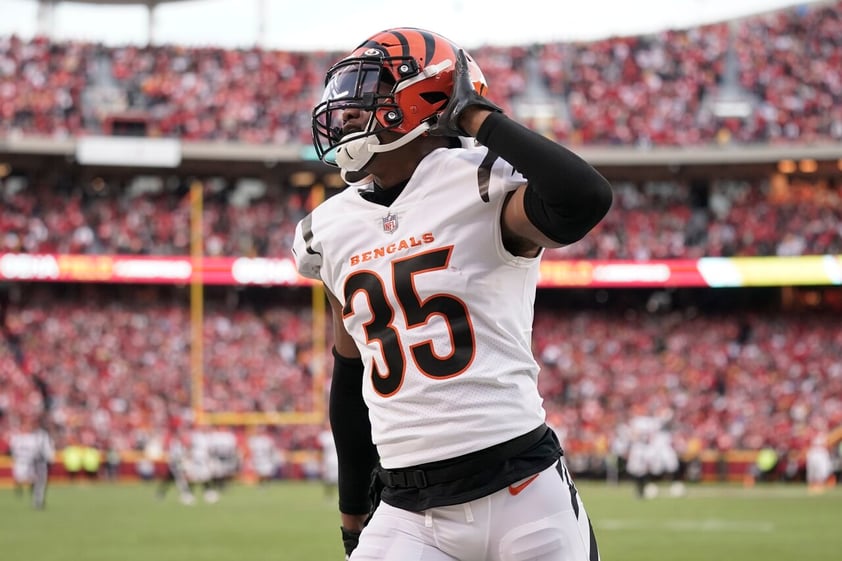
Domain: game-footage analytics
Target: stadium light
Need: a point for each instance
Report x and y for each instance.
(808, 166)
(786, 166)
(333, 181)
(302, 179)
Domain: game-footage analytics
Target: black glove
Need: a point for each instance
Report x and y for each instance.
(464, 95)
(350, 539)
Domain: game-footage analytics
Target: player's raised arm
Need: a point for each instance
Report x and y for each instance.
(565, 197)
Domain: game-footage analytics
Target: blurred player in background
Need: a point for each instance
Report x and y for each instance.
(176, 452)
(819, 465)
(638, 456)
(651, 457)
(431, 260)
(199, 463)
(224, 457)
(264, 456)
(329, 463)
(32, 452)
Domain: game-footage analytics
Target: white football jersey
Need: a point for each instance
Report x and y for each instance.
(330, 462)
(420, 279)
(29, 448)
(264, 454)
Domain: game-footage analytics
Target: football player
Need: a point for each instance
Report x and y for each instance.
(175, 474)
(819, 465)
(264, 455)
(32, 451)
(330, 463)
(430, 259)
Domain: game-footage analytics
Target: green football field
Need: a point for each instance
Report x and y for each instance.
(297, 522)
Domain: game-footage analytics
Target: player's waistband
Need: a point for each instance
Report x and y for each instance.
(444, 471)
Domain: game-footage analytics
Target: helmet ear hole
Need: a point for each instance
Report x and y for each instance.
(434, 98)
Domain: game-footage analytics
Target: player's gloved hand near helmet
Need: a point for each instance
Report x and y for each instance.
(464, 95)
(350, 539)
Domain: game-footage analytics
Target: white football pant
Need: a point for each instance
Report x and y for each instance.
(540, 518)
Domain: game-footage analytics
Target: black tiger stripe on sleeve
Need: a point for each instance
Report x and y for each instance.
(307, 234)
(484, 175)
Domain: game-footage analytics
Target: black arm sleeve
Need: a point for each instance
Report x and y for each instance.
(566, 196)
(352, 434)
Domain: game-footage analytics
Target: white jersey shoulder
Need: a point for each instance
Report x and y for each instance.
(440, 311)
(474, 172)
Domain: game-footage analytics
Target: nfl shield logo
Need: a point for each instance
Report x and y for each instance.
(390, 223)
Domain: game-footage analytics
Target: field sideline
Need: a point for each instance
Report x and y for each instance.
(295, 521)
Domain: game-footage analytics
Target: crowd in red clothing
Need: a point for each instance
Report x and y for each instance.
(663, 220)
(633, 91)
(53, 218)
(652, 220)
(119, 368)
(129, 365)
(726, 380)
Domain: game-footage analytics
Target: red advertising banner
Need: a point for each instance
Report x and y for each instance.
(708, 271)
(147, 269)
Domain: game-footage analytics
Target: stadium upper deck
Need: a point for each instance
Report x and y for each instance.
(770, 80)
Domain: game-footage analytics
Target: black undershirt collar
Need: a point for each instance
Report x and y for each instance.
(386, 197)
(381, 196)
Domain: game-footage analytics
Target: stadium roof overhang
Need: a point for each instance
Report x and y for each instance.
(212, 158)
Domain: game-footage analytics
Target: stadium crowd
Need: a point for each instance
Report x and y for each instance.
(101, 219)
(652, 220)
(646, 90)
(668, 220)
(721, 380)
(729, 380)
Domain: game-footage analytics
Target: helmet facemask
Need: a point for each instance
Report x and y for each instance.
(354, 83)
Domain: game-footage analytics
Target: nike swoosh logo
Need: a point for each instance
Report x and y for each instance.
(516, 489)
